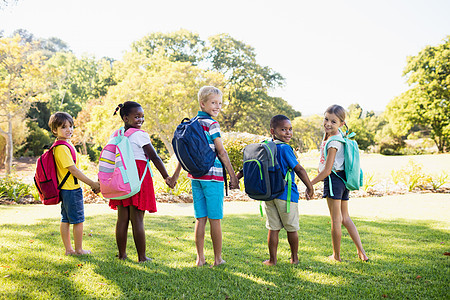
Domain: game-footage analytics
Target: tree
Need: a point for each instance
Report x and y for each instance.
(427, 103)
(308, 132)
(166, 90)
(247, 83)
(181, 46)
(22, 82)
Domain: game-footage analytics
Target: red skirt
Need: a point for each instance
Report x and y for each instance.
(145, 199)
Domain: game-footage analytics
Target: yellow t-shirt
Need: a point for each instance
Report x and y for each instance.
(63, 159)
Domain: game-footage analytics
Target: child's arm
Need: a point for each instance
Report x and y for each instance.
(223, 156)
(301, 173)
(95, 185)
(328, 166)
(173, 180)
(154, 157)
(240, 174)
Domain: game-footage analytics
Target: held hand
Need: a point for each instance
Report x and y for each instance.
(234, 184)
(309, 193)
(171, 182)
(96, 187)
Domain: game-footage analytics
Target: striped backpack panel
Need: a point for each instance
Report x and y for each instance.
(118, 174)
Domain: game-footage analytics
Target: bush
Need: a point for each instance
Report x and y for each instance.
(235, 142)
(14, 189)
(411, 175)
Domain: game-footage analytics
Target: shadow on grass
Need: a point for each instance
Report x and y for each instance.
(33, 264)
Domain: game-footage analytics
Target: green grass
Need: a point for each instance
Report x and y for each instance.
(32, 264)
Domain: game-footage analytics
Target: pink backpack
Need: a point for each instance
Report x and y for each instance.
(118, 174)
(46, 179)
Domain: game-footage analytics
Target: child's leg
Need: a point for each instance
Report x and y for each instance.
(137, 221)
(64, 229)
(293, 243)
(123, 217)
(336, 223)
(200, 225)
(352, 231)
(216, 237)
(272, 241)
(78, 239)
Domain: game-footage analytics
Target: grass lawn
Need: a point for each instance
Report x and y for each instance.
(407, 262)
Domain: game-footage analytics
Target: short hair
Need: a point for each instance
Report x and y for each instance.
(276, 120)
(207, 91)
(125, 108)
(58, 119)
(337, 110)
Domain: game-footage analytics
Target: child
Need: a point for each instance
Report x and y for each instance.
(276, 215)
(72, 209)
(337, 204)
(133, 208)
(207, 190)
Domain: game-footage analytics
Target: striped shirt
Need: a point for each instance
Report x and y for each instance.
(212, 130)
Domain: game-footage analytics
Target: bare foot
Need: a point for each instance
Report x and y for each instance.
(146, 259)
(70, 252)
(294, 261)
(82, 252)
(269, 263)
(331, 257)
(363, 257)
(201, 263)
(122, 257)
(221, 262)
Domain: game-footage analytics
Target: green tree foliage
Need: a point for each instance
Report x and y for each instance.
(181, 46)
(427, 102)
(166, 90)
(247, 85)
(365, 127)
(22, 82)
(308, 132)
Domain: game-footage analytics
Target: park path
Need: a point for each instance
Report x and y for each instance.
(409, 206)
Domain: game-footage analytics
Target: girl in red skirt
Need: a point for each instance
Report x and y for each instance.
(133, 208)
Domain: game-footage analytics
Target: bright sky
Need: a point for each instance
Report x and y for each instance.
(329, 51)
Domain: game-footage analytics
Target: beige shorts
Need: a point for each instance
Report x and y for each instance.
(277, 217)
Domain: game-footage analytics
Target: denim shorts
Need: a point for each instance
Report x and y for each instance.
(340, 191)
(208, 199)
(72, 209)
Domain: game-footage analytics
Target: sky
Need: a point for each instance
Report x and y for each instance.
(329, 51)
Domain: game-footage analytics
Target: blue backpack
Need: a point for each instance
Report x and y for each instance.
(263, 178)
(192, 148)
(353, 172)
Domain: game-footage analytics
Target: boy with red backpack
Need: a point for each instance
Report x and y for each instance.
(71, 194)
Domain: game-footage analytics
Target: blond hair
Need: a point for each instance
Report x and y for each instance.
(207, 91)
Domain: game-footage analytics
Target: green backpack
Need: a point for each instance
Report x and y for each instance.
(353, 172)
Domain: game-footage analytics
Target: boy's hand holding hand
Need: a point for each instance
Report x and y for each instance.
(234, 183)
(171, 182)
(96, 187)
(309, 193)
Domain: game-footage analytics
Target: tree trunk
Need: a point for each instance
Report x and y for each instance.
(9, 146)
(167, 143)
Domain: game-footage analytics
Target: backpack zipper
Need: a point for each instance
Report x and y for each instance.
(259, 165)
(179, 158)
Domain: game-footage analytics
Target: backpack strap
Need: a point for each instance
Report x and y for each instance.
(288, 179)
(74, 157)
(340, 138)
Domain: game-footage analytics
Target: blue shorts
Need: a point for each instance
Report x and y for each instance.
(72, 209)
(208, 199)
(340, 191)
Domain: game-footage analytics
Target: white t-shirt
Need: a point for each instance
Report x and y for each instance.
(339, 159)
(138, 140)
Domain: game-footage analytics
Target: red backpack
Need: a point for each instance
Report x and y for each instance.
(46, 178)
